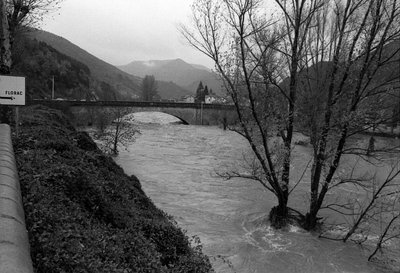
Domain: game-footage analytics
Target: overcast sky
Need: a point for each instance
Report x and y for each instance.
(121, 31)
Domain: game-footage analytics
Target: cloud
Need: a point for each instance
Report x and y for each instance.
(120, 31)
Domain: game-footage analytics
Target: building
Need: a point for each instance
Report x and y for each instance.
(187, 99)
(215, 99)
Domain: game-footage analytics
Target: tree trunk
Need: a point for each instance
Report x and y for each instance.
(5, 46)
(311, 220)
(5, 57)
(279, 215)
(116, 136)
(115, 144)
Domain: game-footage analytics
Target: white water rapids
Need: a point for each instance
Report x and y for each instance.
(177, 164)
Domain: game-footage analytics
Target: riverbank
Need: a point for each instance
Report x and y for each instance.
(84, 214)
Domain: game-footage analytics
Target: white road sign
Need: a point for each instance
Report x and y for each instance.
(12, 90)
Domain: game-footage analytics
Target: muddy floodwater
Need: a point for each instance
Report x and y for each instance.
(177, 167)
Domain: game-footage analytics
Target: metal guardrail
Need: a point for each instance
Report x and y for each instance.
(14, 243)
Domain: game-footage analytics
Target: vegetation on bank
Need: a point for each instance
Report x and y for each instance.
(84, 214)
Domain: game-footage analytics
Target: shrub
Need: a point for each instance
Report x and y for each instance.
(84, 214)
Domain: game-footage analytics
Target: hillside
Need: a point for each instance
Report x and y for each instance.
(379, 101)
(178, 71)
(169, 90)
(84, 214)
(39, 63)
(127, 85)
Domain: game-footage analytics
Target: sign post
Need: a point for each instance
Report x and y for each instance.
(12, 92)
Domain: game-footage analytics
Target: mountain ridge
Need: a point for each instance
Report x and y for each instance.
(126, 84)
(178, 71)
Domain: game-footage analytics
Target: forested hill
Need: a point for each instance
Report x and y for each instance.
(39, 63)
(127, 85)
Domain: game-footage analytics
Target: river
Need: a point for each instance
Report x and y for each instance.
(177, 166)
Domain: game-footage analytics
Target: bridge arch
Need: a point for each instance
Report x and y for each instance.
(156, 114)
(184, 122)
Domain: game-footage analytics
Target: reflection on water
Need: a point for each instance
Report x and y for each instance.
(176, 165)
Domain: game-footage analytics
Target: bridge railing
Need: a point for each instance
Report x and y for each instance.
(155, 104)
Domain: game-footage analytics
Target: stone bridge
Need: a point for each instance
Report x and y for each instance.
(84, 112)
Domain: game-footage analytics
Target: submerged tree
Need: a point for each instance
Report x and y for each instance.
(361, 42)
(374, 203)
(114, 129)
(320, 69)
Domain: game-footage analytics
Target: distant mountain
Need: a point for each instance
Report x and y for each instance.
(127, 85)
(199, 66)
(178, 71)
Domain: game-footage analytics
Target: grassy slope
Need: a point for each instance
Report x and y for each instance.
(84, 214)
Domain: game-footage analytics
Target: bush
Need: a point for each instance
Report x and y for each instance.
(84, 214)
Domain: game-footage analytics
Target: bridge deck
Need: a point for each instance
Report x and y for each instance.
(155, 104)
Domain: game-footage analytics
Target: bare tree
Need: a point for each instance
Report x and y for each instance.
(360, 44)
(247, 52)
(390, 231)
(16, 13)
(115, 130)
(372, 211)
(377, 198)
(5, 56)
(28, 12)
(317, 70)
(5, 49)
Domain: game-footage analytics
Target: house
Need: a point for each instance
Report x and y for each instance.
(187, 99)
(211, 99)
(215, 99)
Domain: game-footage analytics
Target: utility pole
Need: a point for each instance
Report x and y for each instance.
(52, 89)
(201, 113)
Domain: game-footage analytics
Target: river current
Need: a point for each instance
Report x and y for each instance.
(177, 167)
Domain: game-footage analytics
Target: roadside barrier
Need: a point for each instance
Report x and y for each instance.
(14, 243)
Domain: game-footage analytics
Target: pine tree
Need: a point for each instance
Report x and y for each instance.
(206, 92)
(199, 93)
(149, 88)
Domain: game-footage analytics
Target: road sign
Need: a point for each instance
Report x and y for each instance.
(12, 90)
